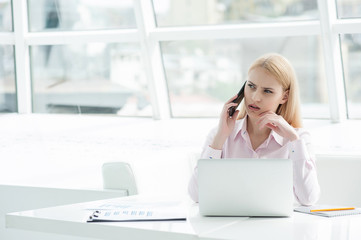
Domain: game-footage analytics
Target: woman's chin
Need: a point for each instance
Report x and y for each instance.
(253, 114)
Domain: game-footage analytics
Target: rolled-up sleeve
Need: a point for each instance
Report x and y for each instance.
(305, 181)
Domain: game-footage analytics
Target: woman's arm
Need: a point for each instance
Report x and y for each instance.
(214, 143)
(305, 181)
(225, 126)
(207, 152)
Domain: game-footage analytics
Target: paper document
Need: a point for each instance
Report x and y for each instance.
(328, 210)
(138, 211)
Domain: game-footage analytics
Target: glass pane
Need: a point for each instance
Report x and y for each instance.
(60, 15)
(202, 75)
(207, 12)
(351, 56)
(349, 8)
(8, 102)
(6, 22)
(95, 78)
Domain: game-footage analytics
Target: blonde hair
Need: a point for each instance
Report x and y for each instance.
(279, 67)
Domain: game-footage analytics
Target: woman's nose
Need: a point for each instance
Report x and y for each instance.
(256, 96)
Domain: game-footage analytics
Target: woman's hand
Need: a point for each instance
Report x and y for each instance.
(278, 124)
(226, 124)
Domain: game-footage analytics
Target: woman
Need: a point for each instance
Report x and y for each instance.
(268, 126)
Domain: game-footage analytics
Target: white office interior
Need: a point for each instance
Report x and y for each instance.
(138, 84)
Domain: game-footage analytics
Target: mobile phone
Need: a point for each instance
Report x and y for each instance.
(238, 100)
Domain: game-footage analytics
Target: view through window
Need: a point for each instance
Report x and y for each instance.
(201, 72)
(202, 75)
(208, 12)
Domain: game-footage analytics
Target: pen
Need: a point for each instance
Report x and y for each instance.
(332, 209)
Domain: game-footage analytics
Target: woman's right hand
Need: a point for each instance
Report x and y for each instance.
(226, 124)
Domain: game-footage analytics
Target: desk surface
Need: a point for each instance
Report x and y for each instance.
(71, 220)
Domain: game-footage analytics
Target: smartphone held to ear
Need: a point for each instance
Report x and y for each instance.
(238, 100)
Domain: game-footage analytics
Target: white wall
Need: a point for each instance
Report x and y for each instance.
(67, 151)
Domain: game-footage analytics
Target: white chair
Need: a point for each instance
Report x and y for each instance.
(339, 176)
(119, 176)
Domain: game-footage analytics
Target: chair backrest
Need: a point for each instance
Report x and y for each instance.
(119, 176)
(339, 177)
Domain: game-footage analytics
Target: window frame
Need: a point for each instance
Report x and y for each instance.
(328, 26)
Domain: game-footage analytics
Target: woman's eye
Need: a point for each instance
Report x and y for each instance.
(250, 85)
(267, 91)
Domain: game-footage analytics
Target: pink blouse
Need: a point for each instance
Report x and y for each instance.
(238, 145)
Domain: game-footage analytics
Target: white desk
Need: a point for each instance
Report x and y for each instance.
(71, 220)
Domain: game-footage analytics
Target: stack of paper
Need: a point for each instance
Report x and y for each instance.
(138, 211)
(328, 211)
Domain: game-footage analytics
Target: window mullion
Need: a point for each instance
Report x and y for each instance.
(82, 37)
(239, 31)
(333, 60)
(347, 26)
(152, 59)
(22, 58)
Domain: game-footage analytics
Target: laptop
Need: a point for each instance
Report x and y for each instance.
(245, 187)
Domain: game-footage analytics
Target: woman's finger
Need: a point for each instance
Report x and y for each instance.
(235, 115)
(231, 99)
(270, 126)
(268, 118)
(229, 105)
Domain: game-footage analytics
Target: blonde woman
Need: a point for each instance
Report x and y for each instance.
(268, 126)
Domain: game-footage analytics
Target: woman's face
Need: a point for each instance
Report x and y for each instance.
(263, 93)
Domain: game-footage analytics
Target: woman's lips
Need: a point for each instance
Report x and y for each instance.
(253, 107)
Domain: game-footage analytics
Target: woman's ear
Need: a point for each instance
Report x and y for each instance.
(285, 97)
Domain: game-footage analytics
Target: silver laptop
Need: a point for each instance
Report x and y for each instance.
(245, 187)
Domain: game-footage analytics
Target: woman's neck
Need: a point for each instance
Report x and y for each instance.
(253, 129)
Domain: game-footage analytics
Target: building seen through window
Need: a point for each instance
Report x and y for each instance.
(110, 78)
(8, 101)
(211, 12)
(96, 78)
(202, 75)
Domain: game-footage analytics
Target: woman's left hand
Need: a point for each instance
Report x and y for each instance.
(278, 124)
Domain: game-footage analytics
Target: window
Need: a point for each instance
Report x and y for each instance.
(205, 12)
(8, 97)
(351, 55)
(6, 23)
(7, 80)
(60, 15)
(174, 58)
(96, 78)
(349, 8)
(202, 75)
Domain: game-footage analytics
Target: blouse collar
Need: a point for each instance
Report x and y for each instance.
(241, 128)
